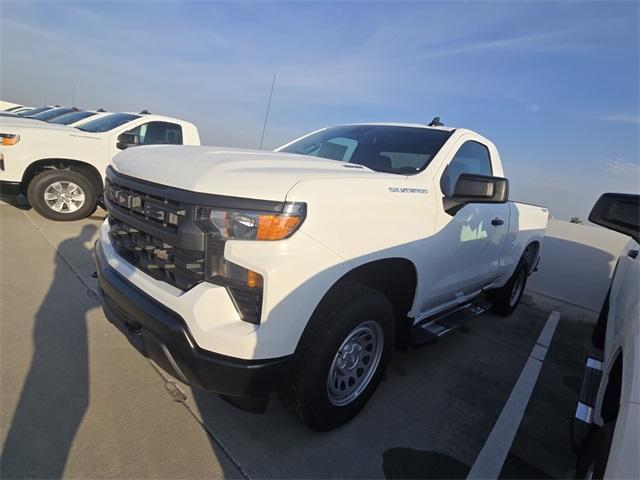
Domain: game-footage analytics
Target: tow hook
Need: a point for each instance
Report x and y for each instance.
(133, 328)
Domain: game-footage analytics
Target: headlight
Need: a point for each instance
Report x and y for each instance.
(9, 139)
(245, 286)
(227, 224)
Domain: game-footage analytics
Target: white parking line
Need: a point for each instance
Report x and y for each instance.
(489, 462)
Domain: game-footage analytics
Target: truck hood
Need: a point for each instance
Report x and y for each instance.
(234, 172)
(28, 122)
(24, 124)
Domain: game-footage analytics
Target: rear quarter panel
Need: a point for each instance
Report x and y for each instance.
(527, 224)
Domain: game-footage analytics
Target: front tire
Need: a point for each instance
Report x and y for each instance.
(505, 300)
(62, 195)
(341, 357)
(592, 460)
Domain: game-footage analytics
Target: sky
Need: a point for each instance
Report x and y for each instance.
(555, 85)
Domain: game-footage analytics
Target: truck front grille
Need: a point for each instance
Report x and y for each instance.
(181, 268)
(154, 232)
(159, 211)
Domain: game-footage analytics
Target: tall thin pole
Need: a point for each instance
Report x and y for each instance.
(266, 115)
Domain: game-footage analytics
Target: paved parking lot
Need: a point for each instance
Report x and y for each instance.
(78, 401)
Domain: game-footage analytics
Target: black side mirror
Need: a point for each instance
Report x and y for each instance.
(472, 188)
(127, 140)
(619, 212)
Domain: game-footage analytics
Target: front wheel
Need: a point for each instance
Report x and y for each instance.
(504, 300)
(62, 195)
(592, 460)
(341, 357)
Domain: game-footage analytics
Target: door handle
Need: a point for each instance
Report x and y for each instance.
(497, 221)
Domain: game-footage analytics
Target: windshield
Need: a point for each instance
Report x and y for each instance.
(53, 113)
(13, 109)
(69, 118)
(34, 111)
(104, 124)
(393, 149)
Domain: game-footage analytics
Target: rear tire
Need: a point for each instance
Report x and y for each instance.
(62, 195)
(505, 300)
(341, 357)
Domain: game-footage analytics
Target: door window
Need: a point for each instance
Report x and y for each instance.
(472, 157)
(158, 133)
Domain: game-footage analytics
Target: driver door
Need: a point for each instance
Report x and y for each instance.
(468, 245)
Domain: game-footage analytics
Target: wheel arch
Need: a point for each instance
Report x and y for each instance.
(397, 279)
(531, 254)
(613, 390)
(79, 166)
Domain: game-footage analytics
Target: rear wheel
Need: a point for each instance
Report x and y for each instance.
(62, 195)
(341, 356)
(505, 300)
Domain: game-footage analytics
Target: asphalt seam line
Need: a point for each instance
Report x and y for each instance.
(91, 293)
(491, 458)
(184, 401)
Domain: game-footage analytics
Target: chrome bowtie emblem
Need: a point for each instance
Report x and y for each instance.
(161, 254)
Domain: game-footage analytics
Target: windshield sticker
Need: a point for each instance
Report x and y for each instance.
(407, 190)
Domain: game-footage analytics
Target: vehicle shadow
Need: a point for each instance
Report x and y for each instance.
(573, 272)
(55, 394)
(19, 201)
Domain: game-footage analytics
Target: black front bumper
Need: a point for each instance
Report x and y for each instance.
(10, 189)
(161, 335)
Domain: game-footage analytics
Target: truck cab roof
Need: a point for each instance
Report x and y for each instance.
(403, 124)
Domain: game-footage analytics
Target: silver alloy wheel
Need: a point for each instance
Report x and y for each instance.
(355, 363)
(64, 197)
(518, 285)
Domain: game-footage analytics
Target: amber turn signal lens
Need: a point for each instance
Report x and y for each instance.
(254, 279)
(276, 227)
(9, 139)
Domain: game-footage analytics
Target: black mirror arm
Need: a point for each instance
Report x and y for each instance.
(451, 205)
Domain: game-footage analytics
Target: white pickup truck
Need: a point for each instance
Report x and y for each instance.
(246, 271)
(606, 427)
(61, 168)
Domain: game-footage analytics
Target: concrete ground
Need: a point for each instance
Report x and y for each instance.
(78, 401)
